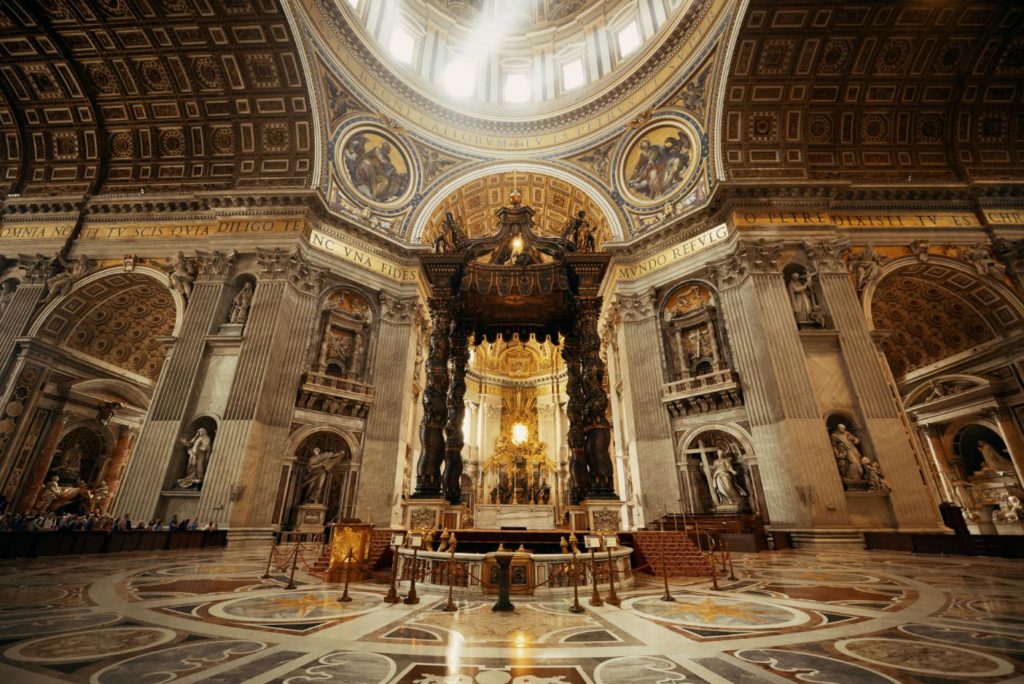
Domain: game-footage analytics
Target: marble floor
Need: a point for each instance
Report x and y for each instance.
(842, 617)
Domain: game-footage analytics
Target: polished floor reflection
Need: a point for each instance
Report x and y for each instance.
(843, 617)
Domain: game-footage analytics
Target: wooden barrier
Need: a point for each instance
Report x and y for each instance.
(77, 542)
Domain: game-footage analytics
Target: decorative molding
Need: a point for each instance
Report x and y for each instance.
(400, 311)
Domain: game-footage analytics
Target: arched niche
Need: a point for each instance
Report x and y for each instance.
(342, 481)
(81, 453)
(849, 447)
(692, 329)
(937, 311)
(345, 328)
(236, 303)
(696, 457)
(178, 475)
(980, 451)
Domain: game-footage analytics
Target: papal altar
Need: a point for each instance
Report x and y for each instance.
(520, 516)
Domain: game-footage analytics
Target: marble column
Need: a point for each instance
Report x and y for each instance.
(147, 473)
(1010, 433)
(119, 461)
(385, 443)
(36, 476)
(940, 460)
(435, 395)
(801, 484)
(242, 474)
(652, 447)
(894, 449)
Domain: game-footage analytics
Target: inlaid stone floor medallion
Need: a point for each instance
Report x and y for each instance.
(841, 617)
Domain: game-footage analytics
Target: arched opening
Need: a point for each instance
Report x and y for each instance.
(192, 455)
(935, 313)
(324, 478)
(692, 328)
(714, 475)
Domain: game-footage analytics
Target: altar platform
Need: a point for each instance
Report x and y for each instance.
(514, 516)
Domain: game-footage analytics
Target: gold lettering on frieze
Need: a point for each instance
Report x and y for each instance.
(370, 262)
(1005, 217)
(671, 255)
(35, 232)
(172, 231)
(909, 219)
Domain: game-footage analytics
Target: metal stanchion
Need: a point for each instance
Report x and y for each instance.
(611, 541)
(295, 562)
(397, 539)
(714, 573)
(449, 607)
(732, 574)
(345, 598)
(664, 573)
(593, 541)
(415, 541)
(575, 607)
(270, 560)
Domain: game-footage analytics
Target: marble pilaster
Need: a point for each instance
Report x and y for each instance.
(894, 449)
(17, 313)
(794, 456)
(147, 473)
(242, 474)
(118, 461)
(385, 443)
(652, 448)
(1011, 435)
(36, 475)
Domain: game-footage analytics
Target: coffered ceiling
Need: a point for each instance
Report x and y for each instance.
(125, 95)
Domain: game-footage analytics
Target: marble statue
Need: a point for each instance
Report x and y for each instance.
(180, 277)
(1010, 510)
(317, 471)
(71, 462)
(984, 264)
(100, 496)
(106, 411)
(61, 283)
(723, 477)
(240, 305)
(845, 446)
(873, 476)
(6, 295)
(868, 267)
(198, 449)
(993, 461)
(801, 298)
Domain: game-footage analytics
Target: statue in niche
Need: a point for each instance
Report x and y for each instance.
(545, 491)
(198, 450)
(61, 283)
(341, 348)
(181, 276)
(802, 298)
(723, 478)
(240, 305)
(106, 411)
(318, 470)
(71, 462)
(6, 295)
(845, 446)
(992, 460)
(868, 267)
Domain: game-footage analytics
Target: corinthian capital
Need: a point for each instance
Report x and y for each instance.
(828, 255)
(214, 265)
(636, 307)
(764, 256)
(37, 268)
(394, 310)
(731, 270)
(274, 263)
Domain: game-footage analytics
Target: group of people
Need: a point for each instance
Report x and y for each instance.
(659, 168)
(51, 522)
(372, 171)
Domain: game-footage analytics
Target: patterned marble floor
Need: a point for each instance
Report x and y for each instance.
(842, 617)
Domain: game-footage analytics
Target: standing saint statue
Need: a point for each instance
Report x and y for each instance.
(198, 449)
(723, 477)
(240, 305)
(801, 297)
(847, 452)
(180, 277)
(317, 471)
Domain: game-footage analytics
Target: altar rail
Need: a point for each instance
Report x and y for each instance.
(551, 572)
(74, 542)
